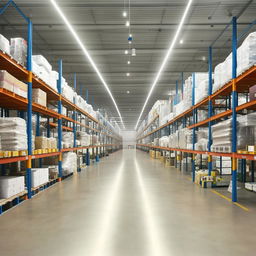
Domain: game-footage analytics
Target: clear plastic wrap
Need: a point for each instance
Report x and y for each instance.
(4, 44)
(13, 134)
(11, 185)
(42, 61)
(69, 163)
(83, 138)
(18, 50)
(39, 176)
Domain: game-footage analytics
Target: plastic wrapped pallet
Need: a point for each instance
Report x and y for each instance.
(4, 44)
(39, 176)
(42, 61)
(164, 141)
(18, 50)
(13, 134)
(84, 138)
(20, 88)
(39, 97)
(246, 53)
(10, 186)
(68, 139)
(222, 136)
(69, 164)
(6, 80)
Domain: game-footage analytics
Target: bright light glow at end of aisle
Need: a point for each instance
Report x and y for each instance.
(86, 53)
(175, 38)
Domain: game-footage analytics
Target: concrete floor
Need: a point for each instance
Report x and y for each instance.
(127, 205)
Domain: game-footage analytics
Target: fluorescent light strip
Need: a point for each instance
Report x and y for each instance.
(73, 32)
(165, 59)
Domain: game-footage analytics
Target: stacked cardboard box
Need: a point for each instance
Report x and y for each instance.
(11, 185)
(10, 83)
(39, 97)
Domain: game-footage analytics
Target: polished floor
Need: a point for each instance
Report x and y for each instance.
(127, 205)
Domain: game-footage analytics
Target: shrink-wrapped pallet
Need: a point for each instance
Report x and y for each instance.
(39, 97)
(69, 163)
(68, 139)
(4, 44)
(18, 50)
(6, 80)
(164, 141)
(84, 138)
(11, 185)
(39, 176)
(42, 62)
(13, 134)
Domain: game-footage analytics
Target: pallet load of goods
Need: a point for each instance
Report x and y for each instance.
(181, 137)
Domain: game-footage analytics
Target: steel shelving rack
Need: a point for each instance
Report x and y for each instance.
(26, 108)
(238, 84)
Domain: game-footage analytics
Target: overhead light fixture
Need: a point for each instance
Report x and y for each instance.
(133, 52)
(204, 58)
(175, 38)
(128, 92)
(124, 14)
(127, 74)
(126, 52)
(130, 42)
(130, 35)
(181, 41)
(86, 53)
(127, 23)
(128, 62)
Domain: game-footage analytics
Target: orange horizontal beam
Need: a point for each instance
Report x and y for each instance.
(45, 155)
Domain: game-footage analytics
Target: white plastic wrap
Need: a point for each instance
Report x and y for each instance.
(42, 62)
(246, 53)
(13, 133)
(69, 164)
(11, 185)
(164, 141)
(39, 176)
(4, 44)
(18, 50)
(83, 138)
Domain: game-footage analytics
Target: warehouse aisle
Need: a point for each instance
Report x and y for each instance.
(127, 205)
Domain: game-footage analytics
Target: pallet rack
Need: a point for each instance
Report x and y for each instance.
(26, 108)
(188, 119)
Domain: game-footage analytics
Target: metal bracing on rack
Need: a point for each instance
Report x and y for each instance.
(238, 84)
(26, 107)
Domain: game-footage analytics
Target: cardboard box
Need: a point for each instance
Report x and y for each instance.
(6, 80)
(39, 97)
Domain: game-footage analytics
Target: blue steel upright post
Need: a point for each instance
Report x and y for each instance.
(210, 111)
(74, 113)
(29, 109)
(194, 129)
(60, 120)
(234, 105)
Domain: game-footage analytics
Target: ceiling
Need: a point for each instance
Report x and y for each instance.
(100, 26)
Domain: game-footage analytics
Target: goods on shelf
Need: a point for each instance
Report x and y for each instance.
(94, 140)
(42, 142)
(246, 132)
(250, 186)
(18, 50)
(252, 93)
(202, 140)
(69, 163)
(53, 172)
(4, 44)
(164, 141)
(84, 138)
(11, 185)
(39, 97)
(10, 83)
(39, 176)
(68, 139)
(181, 139)
(41, 61)
(13, 134)
(246, 57)
(246, 53)
(222, 136)
(223, 165)
(201, 86)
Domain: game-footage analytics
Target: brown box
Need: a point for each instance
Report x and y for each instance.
(252, 93)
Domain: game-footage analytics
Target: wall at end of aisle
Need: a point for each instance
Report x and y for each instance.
(129, 139)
